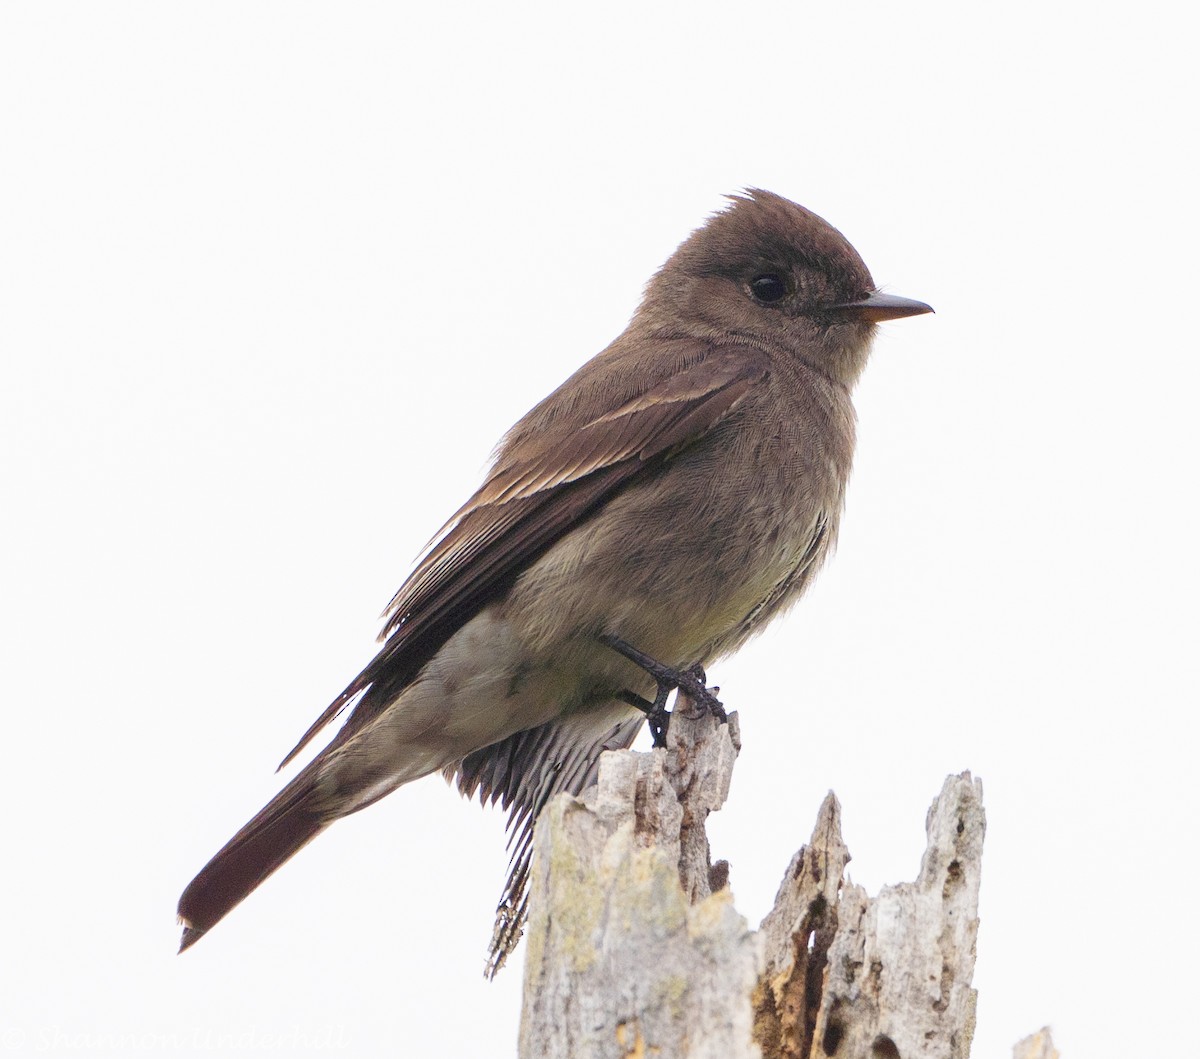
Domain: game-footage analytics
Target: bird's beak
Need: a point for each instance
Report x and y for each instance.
(877, 306)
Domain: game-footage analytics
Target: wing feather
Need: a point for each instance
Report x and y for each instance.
(544, 483)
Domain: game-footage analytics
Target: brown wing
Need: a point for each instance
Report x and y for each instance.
(545, 481)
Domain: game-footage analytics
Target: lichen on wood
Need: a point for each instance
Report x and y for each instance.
(624, 959)
(635, 947)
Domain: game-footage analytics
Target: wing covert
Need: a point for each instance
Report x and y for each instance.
(540, 487)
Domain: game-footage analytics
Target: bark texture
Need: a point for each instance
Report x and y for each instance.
(628, 945)
(635, 948)
(848, 975)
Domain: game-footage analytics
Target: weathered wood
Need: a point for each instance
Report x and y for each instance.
(635, 948)
(620, 961)
(796, 934)
(1036, 1046)
(851, 976)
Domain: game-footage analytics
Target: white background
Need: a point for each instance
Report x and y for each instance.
(276, 276)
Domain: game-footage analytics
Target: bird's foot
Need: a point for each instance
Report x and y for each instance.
(657, 714)
(690, 682)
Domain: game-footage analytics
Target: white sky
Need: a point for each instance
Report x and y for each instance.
(274, 277)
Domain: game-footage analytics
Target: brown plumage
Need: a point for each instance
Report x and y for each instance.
(678, 491)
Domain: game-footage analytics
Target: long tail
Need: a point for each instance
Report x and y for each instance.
(288, 822)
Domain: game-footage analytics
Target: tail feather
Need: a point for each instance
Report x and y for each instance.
(288, 822)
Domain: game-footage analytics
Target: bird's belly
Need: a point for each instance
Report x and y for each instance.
(483, 685)
(682, 583)
(682, 586)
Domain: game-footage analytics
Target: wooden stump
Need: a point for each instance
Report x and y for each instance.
(635, 948)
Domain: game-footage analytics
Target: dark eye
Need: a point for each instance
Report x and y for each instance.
(768, 288)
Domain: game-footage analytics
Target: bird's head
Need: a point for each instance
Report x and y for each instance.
(770, 272)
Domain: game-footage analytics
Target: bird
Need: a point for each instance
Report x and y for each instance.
(674, 495)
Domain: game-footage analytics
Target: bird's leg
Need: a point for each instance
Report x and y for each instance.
(657, 714)
(689, 681)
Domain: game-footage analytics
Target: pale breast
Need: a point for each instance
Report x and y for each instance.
(699, 553)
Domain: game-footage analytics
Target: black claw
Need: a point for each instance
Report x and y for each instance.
(690, 681)
(657, 714)
(704, 697)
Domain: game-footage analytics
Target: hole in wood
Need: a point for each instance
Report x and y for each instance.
(884, 1048)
